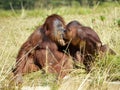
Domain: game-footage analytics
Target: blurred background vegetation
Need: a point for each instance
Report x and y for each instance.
(32, 4)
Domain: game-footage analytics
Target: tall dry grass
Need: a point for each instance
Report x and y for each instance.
(15, 30)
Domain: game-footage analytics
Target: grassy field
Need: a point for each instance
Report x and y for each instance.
(16, 26)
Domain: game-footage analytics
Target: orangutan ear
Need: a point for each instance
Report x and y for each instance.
(81, 34)
(46, 29)
(47, 32)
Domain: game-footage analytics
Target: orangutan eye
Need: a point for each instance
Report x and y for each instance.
(59, 25)
(69, 30)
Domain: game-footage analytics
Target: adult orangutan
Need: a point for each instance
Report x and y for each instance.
(51, 32)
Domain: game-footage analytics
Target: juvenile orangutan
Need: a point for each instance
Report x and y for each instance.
(85, 44)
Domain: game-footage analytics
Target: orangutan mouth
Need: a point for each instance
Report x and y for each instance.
(62, 42)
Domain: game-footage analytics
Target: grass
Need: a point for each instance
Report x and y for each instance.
(16, 27)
